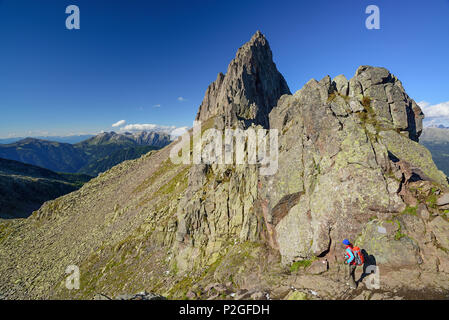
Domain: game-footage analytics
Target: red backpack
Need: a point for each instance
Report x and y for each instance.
(358, 256)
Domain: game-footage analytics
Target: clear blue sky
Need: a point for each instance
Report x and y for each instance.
(131, 55)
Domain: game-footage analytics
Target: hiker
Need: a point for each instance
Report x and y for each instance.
(351, 260)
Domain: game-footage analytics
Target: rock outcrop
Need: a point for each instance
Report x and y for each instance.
(390, 102)
(249, 90)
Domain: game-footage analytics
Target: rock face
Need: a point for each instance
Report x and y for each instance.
(349, 158)
(349, 166)
(390, 103)
(347, 153)
(249, 90)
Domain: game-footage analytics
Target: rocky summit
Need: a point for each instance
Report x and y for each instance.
(249, 90)
(349, 166)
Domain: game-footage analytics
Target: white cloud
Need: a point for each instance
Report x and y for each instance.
(119, 123)
(178, 132)
(147, 127)
(435, 114)
(157, 106)
(182, 99)
(173, 131)
(423, 104)
(436, 110)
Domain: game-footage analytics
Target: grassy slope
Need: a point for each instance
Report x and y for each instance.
(440, 155)
(96, 166)
(24, 188)
(100, 225)
(437, 141)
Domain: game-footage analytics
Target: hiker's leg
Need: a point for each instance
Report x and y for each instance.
(352, 282)
(364, 274)
(348, 272)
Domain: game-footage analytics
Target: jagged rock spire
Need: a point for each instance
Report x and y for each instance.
(249, 90)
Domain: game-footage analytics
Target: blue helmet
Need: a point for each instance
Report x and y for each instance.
(346, 242)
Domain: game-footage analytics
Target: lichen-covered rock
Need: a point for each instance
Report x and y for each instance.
(296, 295)
(389, 100)
(388, 246)
(318, 267)
(443, 199)
(440, 228)
(405, 149)
(341, 84)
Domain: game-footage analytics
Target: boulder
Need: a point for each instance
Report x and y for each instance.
(389, 100)
(390, 248)
(318, 267)
(341, 84)
(423, 212)
(413, 226)
(443, 199)
(416, 155)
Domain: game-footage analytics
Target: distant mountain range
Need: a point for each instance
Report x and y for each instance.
(435, 135)
(90, 156)
(441, 126)
(24, 188)
(63, 139)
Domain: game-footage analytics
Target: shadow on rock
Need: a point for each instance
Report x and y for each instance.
(369, 265)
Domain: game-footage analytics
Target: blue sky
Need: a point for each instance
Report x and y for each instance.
(133, 60)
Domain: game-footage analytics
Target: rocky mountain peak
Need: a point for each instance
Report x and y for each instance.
(249, 90)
